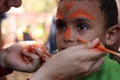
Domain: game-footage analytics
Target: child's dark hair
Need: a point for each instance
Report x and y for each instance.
(110, 11)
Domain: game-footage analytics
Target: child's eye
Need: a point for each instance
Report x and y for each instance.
(82, 26)
(61, 26)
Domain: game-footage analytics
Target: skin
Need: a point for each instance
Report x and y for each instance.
(5, 5)
(67, 33)
(66, 64)
(68, 6)
(81, 13)
(72, 62)
(84, 24)
(59, 15)
(17, 58)
(69, 63)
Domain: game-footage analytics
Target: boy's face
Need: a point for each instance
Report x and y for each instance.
(78, 19)
(5, 5)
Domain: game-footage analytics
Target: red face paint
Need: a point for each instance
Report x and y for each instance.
(67, 33)
(69, 5)
(81, 13)
(31, 49)
(59, 15)
(99, 46)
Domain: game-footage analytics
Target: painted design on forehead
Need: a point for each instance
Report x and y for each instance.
(67, 33)
(59, 15)
(68, 5)
(81, 13)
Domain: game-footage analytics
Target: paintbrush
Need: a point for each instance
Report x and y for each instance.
(102, 48)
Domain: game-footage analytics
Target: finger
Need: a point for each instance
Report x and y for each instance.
(93, 43)
(31, 55)
(27, 57)
(96, 66)
(27, 54)
(88, 45)
(35, 62)
(40, 53)
(96, 55)
(33, 65)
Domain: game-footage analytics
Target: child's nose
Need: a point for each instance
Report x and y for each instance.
(68, 35)
(14, 3)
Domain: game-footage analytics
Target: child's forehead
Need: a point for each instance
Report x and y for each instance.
(72, 3)
(71, 6)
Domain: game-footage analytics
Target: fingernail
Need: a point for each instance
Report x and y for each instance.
(38, 50)
(95, 41)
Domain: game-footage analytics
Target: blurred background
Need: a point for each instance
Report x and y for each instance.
(31, 21)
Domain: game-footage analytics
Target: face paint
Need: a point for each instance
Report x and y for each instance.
(59, 15)
(99, 46)
(81, 13)
(67, 33)
(69, 5)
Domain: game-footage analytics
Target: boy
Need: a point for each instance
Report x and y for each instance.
(10, 57)
(87, 20)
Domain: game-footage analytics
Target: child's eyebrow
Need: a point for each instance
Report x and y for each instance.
(59, 20)
(81, 20)
(81, 13)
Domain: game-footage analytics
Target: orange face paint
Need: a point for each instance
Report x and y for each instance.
(31, 49)
(81, 13)
(69, 5)
(67, 33)
(102, 48)
(59, 15)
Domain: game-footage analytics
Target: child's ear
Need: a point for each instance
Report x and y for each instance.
(112, 35)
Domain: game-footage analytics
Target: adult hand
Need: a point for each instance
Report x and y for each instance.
(75, 61)
(14, 57)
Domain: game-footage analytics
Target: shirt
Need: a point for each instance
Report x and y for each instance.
(110, 70)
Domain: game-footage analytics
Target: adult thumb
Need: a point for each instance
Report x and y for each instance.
(93, 43)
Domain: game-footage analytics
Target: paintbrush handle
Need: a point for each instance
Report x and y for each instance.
(102, 48)
(117, 54)
(108, 50)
